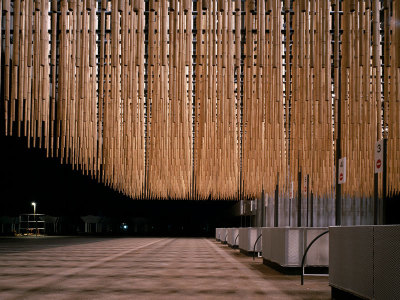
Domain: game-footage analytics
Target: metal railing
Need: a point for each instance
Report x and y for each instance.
(305, 254)
(234, 243)
(255, 243)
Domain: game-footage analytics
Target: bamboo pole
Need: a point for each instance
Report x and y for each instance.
(115, 114)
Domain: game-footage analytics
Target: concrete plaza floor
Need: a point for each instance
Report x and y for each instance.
(141, 268)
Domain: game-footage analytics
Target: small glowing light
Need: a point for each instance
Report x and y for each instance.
(124, 226)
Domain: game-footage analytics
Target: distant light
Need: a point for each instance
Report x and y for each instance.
(124, 226)
(33, 203)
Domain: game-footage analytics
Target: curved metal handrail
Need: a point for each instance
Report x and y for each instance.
(305, 254)
(254, 247)
(234, 243)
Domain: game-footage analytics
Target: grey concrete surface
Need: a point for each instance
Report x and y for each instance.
(141, 268)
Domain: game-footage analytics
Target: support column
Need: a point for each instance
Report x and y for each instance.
(276, 207)
(384, 182)
(260, 211)
(312, 210)
(263, 210)
(338, 78)
(376, 202)
(299, 201)
(308, 207)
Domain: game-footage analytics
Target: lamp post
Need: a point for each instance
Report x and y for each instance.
(34, 214)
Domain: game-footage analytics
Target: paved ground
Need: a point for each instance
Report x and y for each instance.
(141, 268)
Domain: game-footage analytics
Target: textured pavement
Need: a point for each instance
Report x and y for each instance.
(141, 268)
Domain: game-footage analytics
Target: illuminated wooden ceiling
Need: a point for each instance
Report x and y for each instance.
(192, 100)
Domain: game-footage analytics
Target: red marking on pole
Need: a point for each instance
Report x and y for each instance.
(341, 176)
(378, 164)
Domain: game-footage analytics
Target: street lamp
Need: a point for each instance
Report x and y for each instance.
(34, 214)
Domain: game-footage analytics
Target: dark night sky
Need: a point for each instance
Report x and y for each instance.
(27, 175)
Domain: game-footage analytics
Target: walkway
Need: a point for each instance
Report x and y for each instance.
(141, 268)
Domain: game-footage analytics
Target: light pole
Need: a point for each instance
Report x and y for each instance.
(34, 214)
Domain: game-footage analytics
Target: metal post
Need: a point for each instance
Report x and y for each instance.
(312, 210)
(338, 154)
(308, 208)
(276, 206)
(299, 201)
(34, 216)
(386, 65)
(263, 210)
(384, 181)
(376, 187)
(338, 195)
(259, 212)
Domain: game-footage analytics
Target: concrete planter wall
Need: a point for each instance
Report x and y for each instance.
(285, 246)
(248, 237)
(218, 233)
(222, 234)
(232, 234)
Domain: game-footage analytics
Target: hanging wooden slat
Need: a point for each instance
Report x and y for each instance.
(110, 87)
